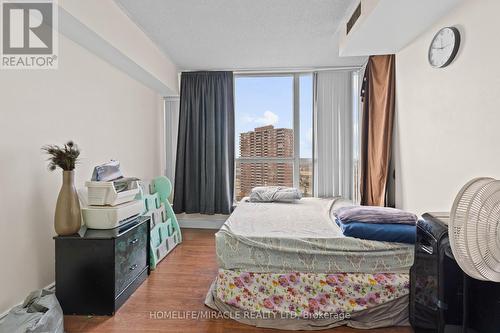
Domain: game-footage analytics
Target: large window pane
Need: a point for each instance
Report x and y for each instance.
(252, 174)
(262, 101)
(264, 129)
(306, 135)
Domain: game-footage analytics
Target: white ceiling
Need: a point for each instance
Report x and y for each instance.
(244, 34)
(387, 26)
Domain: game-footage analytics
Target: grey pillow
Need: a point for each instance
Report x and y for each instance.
(274, 194)
(373, 214)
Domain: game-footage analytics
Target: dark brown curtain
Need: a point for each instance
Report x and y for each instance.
(378, 96)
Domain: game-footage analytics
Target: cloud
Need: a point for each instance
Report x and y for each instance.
(269, 118)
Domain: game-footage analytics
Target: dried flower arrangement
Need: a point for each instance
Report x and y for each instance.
(65, 157)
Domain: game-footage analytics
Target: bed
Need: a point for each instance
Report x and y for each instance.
(288, 266)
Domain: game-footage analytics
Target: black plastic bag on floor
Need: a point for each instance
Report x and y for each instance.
(40, 313)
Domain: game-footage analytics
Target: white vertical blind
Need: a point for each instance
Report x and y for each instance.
(333, 134)
(171, 130)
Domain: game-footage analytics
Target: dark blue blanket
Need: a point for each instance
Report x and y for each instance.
(385, 232)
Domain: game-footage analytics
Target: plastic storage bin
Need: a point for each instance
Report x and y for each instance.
(105, 194)
(96, 217)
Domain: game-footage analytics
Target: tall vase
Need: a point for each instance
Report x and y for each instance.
(68, 219)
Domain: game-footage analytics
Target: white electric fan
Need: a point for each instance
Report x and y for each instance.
(474, 229)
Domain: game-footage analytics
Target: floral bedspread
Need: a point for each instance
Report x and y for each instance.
(303, 295)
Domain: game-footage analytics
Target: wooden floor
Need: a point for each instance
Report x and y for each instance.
(180, 283)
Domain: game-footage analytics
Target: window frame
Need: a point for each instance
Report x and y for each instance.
(295, 127)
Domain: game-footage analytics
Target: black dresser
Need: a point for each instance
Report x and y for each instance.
(97, 270)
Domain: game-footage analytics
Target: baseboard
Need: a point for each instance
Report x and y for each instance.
(200, 221)
(51, 286)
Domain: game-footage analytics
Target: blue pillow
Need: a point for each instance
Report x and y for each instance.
(385, 232)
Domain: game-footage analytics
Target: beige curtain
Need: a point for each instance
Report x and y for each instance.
(333, 134)
(378, 95)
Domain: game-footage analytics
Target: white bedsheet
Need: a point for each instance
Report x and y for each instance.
(301, 236)
(307, 218)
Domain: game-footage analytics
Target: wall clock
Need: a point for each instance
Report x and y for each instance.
(444, 47)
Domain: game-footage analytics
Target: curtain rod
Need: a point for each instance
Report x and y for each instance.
(282, 70)
(278, 70)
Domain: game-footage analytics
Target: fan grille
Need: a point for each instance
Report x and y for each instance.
(475, 229)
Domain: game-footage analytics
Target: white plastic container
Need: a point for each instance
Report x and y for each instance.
(109, 217)
(105, 194)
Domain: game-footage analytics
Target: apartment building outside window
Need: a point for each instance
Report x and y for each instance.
(273, 132)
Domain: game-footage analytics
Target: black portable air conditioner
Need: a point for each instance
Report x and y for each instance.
(443, 299)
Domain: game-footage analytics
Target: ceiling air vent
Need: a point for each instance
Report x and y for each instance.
(355, 16)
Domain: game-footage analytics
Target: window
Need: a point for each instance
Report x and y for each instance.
(356, 143)
(273, 122)
(306, 135)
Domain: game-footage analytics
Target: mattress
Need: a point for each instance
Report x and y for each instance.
(301, 237)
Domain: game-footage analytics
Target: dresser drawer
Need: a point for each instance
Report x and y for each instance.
(130, 257)
(95, 272)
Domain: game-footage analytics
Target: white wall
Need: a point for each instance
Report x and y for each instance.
(447, 123)
(106, 112)
(108, 21)
(387, 26)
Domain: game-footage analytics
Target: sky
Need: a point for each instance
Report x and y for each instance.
(266, 100)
